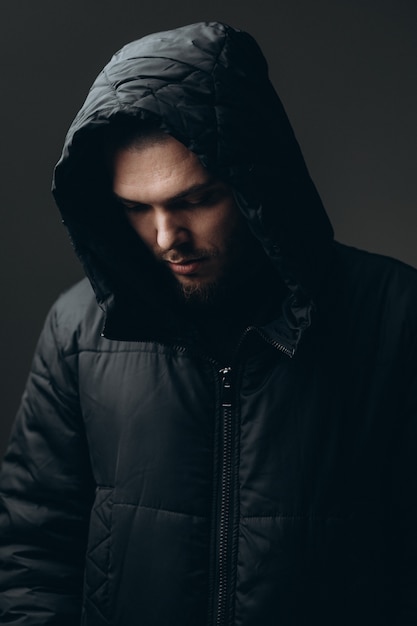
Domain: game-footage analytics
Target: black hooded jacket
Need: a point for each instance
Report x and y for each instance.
(148, 483)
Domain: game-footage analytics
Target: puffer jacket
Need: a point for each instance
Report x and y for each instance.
(147, 484)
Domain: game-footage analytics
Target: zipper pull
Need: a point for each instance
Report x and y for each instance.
(226, 395)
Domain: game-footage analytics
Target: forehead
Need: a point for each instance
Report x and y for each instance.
(157, 171)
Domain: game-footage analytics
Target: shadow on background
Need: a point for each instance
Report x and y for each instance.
(346, 73)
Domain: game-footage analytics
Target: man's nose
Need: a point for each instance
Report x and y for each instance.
(171, 230)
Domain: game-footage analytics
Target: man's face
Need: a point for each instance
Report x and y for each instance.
(187, 218)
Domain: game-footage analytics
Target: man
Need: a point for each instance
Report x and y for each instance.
(220, 424)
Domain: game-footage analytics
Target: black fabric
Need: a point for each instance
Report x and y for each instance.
(145, 481)
(207, 85)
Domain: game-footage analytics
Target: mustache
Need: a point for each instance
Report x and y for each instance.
(184, 254)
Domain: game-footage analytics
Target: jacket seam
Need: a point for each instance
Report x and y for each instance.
(151, 508)
(122, 351)
(52, 381)
(215, 107)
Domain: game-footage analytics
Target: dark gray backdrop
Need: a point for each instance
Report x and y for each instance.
(345, 70)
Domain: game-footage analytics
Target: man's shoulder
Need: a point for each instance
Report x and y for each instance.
(366, 268)
(77, 301)
(375, 283)
(77, 315)
(78, 295)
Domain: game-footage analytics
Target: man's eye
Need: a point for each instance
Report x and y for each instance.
(205, 200)
(133, 208)
(198, 202)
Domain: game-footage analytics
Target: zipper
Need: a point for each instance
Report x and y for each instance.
(279, 346)
(225, 496)
(223, 548)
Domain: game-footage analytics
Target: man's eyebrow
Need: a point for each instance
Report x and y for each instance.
(194, 189)
(179, 196)
(124, 200)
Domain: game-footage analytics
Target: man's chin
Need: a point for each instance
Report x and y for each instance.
(199, 293)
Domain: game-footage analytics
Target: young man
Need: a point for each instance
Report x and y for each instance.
(220, 424)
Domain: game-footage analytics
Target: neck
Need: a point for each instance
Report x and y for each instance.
(218, 325)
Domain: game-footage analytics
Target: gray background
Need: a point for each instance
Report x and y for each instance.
(345, 70)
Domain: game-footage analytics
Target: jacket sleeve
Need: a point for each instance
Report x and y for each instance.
(45, 494)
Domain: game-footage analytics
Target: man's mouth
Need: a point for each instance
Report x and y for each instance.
(187, 266)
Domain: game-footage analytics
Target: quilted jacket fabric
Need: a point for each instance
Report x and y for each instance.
(147, 484)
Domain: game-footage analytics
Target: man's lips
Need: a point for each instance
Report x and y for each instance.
(185, 267)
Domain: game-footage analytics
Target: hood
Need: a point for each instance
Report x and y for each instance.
(207, 85)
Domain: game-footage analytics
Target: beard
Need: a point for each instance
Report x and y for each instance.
(223, 289)
(205, 292)
(201, 294)
(240, 255)
(198, 292)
